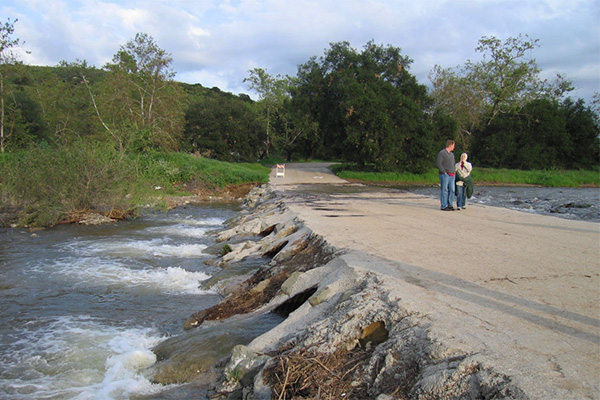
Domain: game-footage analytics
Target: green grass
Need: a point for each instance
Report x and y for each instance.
(44, 186)
(481, 176)
(548, 178)
(171, 169)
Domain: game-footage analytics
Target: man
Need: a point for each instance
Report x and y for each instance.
(445, 164)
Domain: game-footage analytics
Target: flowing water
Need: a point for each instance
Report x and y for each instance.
(82, 306)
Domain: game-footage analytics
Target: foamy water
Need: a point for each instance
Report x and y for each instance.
(82, 307)
(77, 357)
(109, 274)
(139, 248)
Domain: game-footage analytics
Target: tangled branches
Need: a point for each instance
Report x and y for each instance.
(306, 373)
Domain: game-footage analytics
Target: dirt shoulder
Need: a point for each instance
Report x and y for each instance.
(520, 290)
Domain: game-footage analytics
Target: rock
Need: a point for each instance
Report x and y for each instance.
(261, 286)
(194, 354)
(242, 369)
(244, 364)
(283, 230)
(287, 286)
(252, 227)
(321, 295)
(240, 251)
(262, 391)
(195, 320)
(294, 244)
(94, 219)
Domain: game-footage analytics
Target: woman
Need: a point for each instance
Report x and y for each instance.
(464, 183)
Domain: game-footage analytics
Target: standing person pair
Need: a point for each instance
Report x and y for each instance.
(449, 172)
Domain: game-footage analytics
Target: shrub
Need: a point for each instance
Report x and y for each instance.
(46, 183)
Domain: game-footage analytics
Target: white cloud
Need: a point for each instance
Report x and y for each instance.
(219, 41)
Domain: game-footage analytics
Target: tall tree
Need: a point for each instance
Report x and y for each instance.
(507, 78)
(583, 126)
(272, 92)
(64, 100)
(224, 127)
(453, 95)
(543, 134)
(296, 131)
(503, 81)
(141, 98)
(7, 58)
(370, 109)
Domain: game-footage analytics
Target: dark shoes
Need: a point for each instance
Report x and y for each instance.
(449, 208)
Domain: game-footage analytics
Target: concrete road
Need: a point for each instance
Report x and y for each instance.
(520, 290)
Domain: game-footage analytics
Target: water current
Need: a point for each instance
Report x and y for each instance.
(81, 307)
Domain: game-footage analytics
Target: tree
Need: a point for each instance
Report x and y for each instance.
(595, 107)
(7, 42)
(509, 79)
(272, 92)
(369, 108)
(505, 80)
(223, 127)
(584, 129)
(453, 96)
(140, 97)
(296, 131)
(543, 134)
(64, 101)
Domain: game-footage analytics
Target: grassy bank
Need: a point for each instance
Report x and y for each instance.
(46, 186)
(482, 176)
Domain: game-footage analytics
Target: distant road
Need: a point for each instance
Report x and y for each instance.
(302, 173)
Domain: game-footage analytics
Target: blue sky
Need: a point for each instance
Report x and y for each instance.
(216, 42)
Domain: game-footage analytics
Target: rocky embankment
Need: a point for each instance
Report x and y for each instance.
(344, 332)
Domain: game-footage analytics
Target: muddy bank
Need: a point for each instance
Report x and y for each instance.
(344, 331)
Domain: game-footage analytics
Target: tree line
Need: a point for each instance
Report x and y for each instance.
(357, 106)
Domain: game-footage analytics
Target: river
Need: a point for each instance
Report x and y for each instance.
(81, 307)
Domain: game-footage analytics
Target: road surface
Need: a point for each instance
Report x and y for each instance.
(521, 290)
